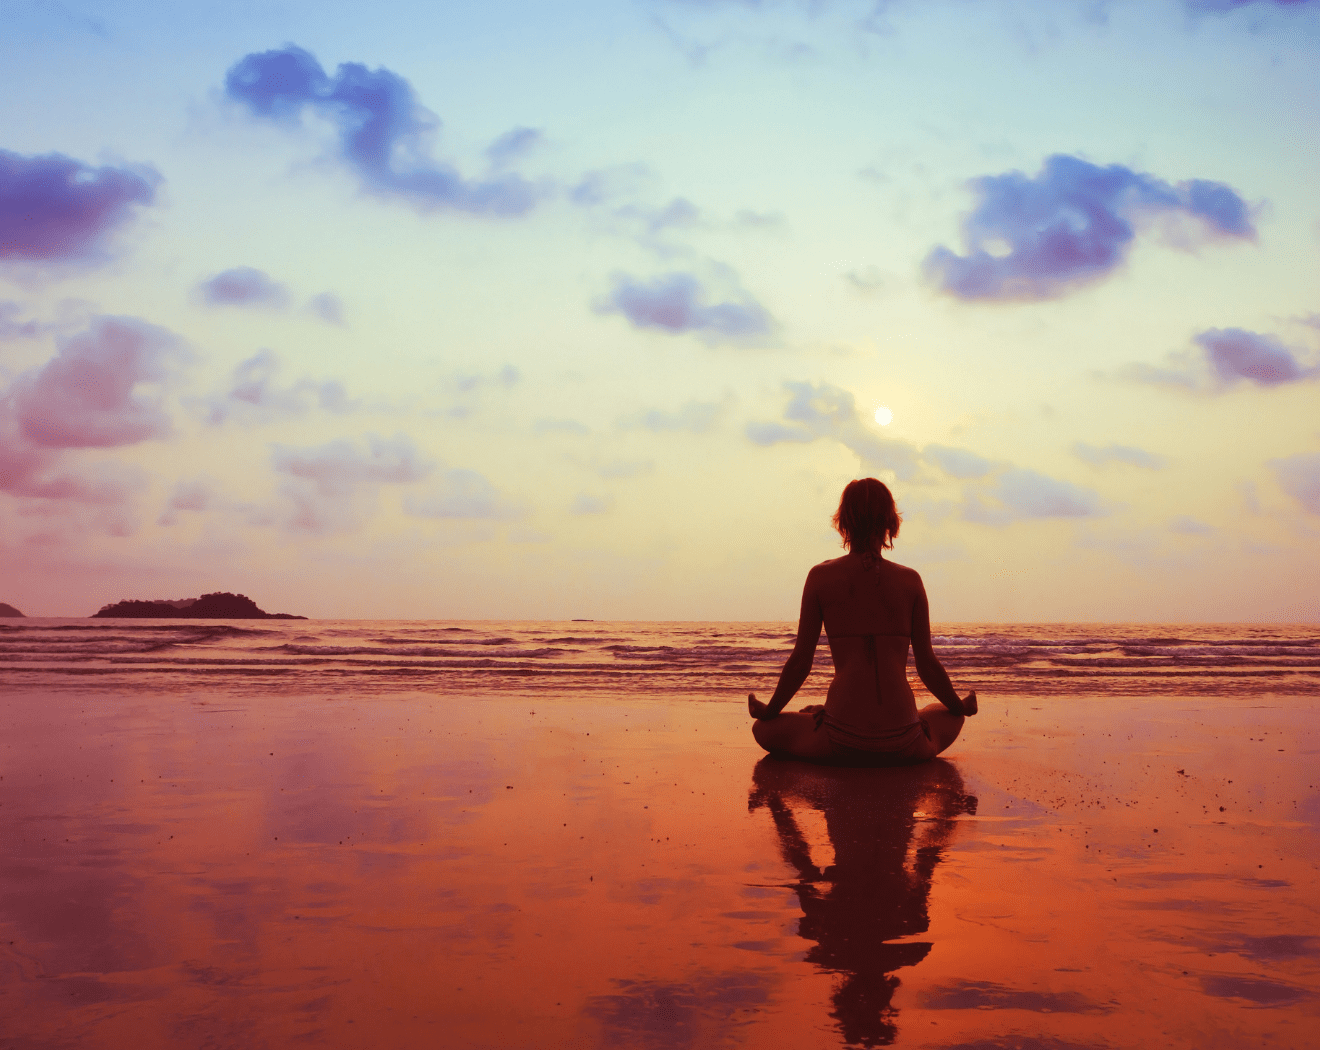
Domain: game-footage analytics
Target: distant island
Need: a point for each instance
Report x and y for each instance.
(219, 606)
(9, 610)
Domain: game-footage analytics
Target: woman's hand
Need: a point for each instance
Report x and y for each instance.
(757, 708)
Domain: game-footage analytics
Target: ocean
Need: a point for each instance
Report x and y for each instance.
(349, 834)
(697, 660)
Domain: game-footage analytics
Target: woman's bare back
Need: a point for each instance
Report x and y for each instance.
(866, 606)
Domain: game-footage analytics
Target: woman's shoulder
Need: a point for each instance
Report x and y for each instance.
(903, 571)
(830, 567)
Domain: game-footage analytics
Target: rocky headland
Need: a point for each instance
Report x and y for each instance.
(219, 606)
(8, 610)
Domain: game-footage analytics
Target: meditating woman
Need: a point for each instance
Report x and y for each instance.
(872, 609)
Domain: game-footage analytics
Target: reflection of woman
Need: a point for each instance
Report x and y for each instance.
(878, 887)
(872, 609)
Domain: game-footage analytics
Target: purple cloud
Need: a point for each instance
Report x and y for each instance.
(585, 503)
(957, 462)
(1033, 238)
(254, 394)
(513, 145)
(11, 327)
(328, 307)
(827, 411)
(1299, 476)
(1235, 353)
(55, 208)
(1011, 494)
(1023, 494)
(332, 487)
(196, 495)
(1233, 5)
(696, 417)
(463, 494)
(243, 286)
(1102, 457)
(340, 466)
(675, 303)
(31, 471)
(383, 129)
(87, 395)
(1228, 356)
(24, 474)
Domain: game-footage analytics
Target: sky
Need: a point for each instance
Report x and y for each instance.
(526, 310)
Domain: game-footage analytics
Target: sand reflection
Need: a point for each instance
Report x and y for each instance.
(888, 829)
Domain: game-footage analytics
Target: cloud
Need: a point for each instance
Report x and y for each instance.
(11, 327)
(1227, 356)
(333, 487)
(679, 214)
(1018, 494)
(87, 395)
(1102, 457)
(957, 462)
(696, 417)
(1219, 6)
(513, 145)
(195, 495)
(827, 411)
(339, 466)
(467, 390)
(1073, 223)
(1186, 526)
(328, 307)
(676, 303)
(31, 473)
(253, 395)
(1008, 493)
(463, 494)
(585, 503)
(243, 286)
(1299, 476)
(55, 208)
(384, 132)
(867, 279)
(1235, 354)
(507, 377)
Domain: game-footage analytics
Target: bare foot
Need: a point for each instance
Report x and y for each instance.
(969, 704)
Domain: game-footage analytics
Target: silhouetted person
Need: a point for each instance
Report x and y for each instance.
(878, 887)
(872, 609)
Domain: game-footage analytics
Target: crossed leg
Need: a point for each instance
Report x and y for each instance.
(795, 734)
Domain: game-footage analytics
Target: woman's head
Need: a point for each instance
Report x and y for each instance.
(867, 516)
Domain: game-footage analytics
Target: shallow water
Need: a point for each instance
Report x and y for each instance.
(224, 860)
(699, 660)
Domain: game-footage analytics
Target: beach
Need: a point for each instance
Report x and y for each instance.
(193, 859)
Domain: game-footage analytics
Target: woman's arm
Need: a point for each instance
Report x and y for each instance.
(929, 667)
(798, 665)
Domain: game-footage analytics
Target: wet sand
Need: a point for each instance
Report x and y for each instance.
(514, 872)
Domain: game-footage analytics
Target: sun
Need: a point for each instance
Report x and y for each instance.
(883, 416)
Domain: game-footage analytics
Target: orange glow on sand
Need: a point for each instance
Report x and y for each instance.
(523, 872)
